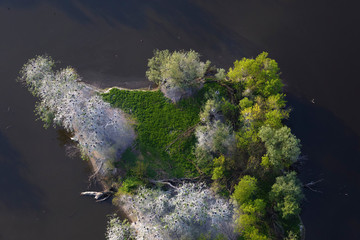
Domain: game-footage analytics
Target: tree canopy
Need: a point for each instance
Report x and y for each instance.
(286, 194)
(259, 75)
(176, 69)
(283, 148)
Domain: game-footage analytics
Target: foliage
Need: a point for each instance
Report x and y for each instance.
(191, 211)
(155, 64)
(231, 128)
(164, 130)
(220, 75)
(292, 236)
(245, 103)
(213, 139)
(259, 76)
(230, 112)
(182, 68)
(245, 190)
(176, 73)
(286, 194)
(119, 230)
(211, 111)
(251, 210)
(130, 184)
(101, 131)
(158, 124)
(283, 148)
(219, 169)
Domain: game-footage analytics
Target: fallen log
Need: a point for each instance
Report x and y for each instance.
(312, 183)
(98, 196)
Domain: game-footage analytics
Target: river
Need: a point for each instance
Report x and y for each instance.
(316, 44)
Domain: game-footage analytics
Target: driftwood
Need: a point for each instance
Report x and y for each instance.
(162, 182)
(312, 183)
(99, 196)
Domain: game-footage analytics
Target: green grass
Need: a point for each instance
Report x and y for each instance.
(159, 123)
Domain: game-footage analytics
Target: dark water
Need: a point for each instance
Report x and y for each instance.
(109, 42)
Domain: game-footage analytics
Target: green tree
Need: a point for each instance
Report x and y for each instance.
(286, 194)
(220, 75)
(245, 103)
(283, 148)
(219, 168)
(245, 190)
(177, 69)
(155, 64)
(259, 76)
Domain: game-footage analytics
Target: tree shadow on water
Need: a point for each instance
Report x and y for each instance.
(16, 191)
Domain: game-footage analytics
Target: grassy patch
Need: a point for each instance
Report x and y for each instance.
(165, 131)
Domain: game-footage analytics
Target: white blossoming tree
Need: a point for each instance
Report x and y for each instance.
(102, 132)
(214, 138)
(190, 211)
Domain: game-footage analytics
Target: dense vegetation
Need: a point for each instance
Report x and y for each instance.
(212, 158)
(165, 132)
(102, 132)
(230, 134)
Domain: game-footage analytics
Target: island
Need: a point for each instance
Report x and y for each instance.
(204, 155)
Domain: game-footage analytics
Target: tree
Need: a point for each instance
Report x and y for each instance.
(245, 190)
(119, 230)
(219, 168)
(155, 64)
(251, 209)
(259, 75)
(101, 131)
(211, 111)
(220, 75)
(286, 195)
(213, 139)
(176, 72)
(188, 212)
(283, 148)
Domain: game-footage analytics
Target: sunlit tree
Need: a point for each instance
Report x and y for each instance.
(259, 76)
(176, 73)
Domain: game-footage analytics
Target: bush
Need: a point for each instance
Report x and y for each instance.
(130, 184)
